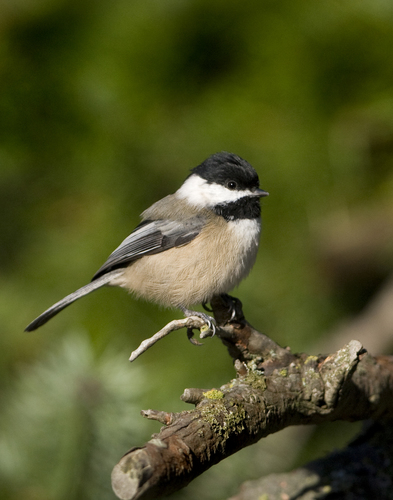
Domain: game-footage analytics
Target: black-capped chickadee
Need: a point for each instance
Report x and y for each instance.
(192, 245)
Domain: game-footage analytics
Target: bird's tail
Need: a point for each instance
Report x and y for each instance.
(63, 303)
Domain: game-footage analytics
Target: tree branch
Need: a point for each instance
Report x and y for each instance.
(274, 389)
(362, 470)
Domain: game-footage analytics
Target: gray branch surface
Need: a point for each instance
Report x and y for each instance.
(361, 471)
(273, 389)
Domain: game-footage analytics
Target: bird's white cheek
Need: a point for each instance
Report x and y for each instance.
(199, 193)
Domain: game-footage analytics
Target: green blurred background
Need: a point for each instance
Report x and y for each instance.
(104, 108)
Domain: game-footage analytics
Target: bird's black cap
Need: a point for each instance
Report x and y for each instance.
(222, 167)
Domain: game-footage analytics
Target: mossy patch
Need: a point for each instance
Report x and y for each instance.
(222, 420)
(214, 394)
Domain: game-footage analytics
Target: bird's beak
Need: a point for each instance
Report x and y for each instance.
(260, 193)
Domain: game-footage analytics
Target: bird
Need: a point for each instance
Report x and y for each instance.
(190, 246)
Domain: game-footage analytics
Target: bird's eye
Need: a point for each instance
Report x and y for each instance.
(231, 185)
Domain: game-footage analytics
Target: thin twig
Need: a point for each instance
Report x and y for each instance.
(189, 323)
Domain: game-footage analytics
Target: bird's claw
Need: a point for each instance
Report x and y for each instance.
(231, 303)
(191, 338)
(207, 330)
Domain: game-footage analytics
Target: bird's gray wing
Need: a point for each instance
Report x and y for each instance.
(152, 237)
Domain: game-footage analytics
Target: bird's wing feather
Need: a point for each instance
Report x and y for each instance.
(72, 297)
(152, 237)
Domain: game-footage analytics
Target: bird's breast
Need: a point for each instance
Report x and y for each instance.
(211, 264)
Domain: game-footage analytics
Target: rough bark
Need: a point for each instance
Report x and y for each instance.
(273, 389)
(361, 471)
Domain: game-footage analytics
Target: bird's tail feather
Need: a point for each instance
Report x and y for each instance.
(63, 303)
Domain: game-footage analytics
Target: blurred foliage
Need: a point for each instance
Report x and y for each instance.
(65, 421)
(104, 107)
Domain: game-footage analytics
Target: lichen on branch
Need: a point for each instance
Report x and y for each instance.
(273, 389)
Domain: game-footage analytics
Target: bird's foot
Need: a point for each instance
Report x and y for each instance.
(234, 306)
(208, 330)
(206, 308)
